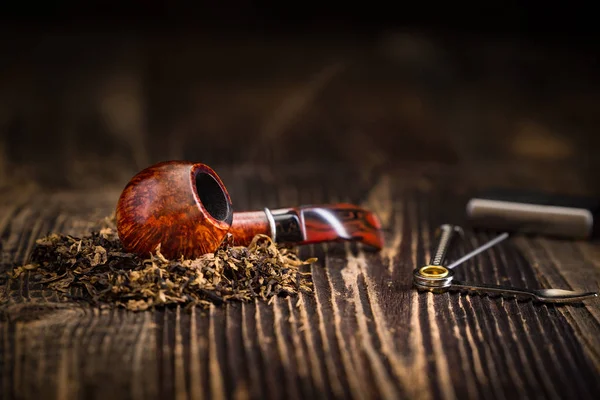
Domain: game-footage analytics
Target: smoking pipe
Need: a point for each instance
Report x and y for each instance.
(185, 208)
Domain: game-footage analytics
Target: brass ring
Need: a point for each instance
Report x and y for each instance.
(434, 271)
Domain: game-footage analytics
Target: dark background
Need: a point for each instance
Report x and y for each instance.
(500, 17)
(404, 108)
(90, 93)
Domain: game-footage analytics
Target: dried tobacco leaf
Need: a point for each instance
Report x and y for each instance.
(96, 269)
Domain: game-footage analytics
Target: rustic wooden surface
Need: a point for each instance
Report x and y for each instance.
(408, 126)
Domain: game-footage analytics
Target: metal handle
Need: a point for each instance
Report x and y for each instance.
(542, 295)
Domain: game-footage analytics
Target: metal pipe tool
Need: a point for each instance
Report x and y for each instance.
(438, 278)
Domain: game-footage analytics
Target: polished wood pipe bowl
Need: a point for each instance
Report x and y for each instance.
(182, 206)
(185, 208)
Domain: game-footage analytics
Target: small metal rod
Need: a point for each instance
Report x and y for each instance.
(447, 233)
(478, 250)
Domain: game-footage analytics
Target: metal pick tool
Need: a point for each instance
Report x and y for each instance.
(437, 278)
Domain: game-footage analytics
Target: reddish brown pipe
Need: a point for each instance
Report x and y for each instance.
(186, 209)
(248, 224)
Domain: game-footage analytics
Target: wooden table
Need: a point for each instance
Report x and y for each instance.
(409, 126)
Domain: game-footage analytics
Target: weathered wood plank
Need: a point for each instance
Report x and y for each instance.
(363, 334)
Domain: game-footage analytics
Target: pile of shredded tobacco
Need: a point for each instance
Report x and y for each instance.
(97, 269)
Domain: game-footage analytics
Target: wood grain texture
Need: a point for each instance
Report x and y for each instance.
(365, 333)
(407, 135)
